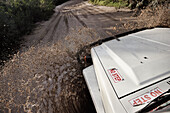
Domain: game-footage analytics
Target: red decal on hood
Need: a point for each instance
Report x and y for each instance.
(115, 75)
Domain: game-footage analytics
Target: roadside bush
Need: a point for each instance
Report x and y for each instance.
(110, 3)
(8, 30)
(17, 17)
(141, 4)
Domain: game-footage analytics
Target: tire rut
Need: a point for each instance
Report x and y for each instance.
(66, 23)
(87, 11)
(54, 30)
(102, 13)
(101, 32)
(41, 37)
(81, 22)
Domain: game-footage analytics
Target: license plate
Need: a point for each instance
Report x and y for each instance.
(146, 97)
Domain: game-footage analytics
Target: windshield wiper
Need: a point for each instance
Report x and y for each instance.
(156, 102)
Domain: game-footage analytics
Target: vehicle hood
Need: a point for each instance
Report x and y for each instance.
(137, 60)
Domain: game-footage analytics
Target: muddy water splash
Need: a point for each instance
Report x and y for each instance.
(47, 79)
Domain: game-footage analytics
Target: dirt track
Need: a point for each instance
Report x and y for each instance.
(106, 21)
(45, 76)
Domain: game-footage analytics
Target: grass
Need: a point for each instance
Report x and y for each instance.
(120, 3)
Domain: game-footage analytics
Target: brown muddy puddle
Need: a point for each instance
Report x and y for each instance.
(47, 79)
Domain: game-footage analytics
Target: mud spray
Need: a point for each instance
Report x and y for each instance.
(47, 78)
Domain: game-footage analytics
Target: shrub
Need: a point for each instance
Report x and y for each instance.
(111, 3)
(17, 17)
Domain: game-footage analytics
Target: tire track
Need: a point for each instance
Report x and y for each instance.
(66, 22)
(81, 22)
(100, 29)
(102, 13)
(83, 13)
(87, 11)
(47, 29)
(85, 16)
(55, 29)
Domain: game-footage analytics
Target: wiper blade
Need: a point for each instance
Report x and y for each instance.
(156, 102)
(163, 106)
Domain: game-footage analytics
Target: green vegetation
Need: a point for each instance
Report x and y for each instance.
(17, 17)
(110, 3)
(140, 4)
(130, 3)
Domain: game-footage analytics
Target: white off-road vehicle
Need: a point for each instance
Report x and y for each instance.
(131, 74)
